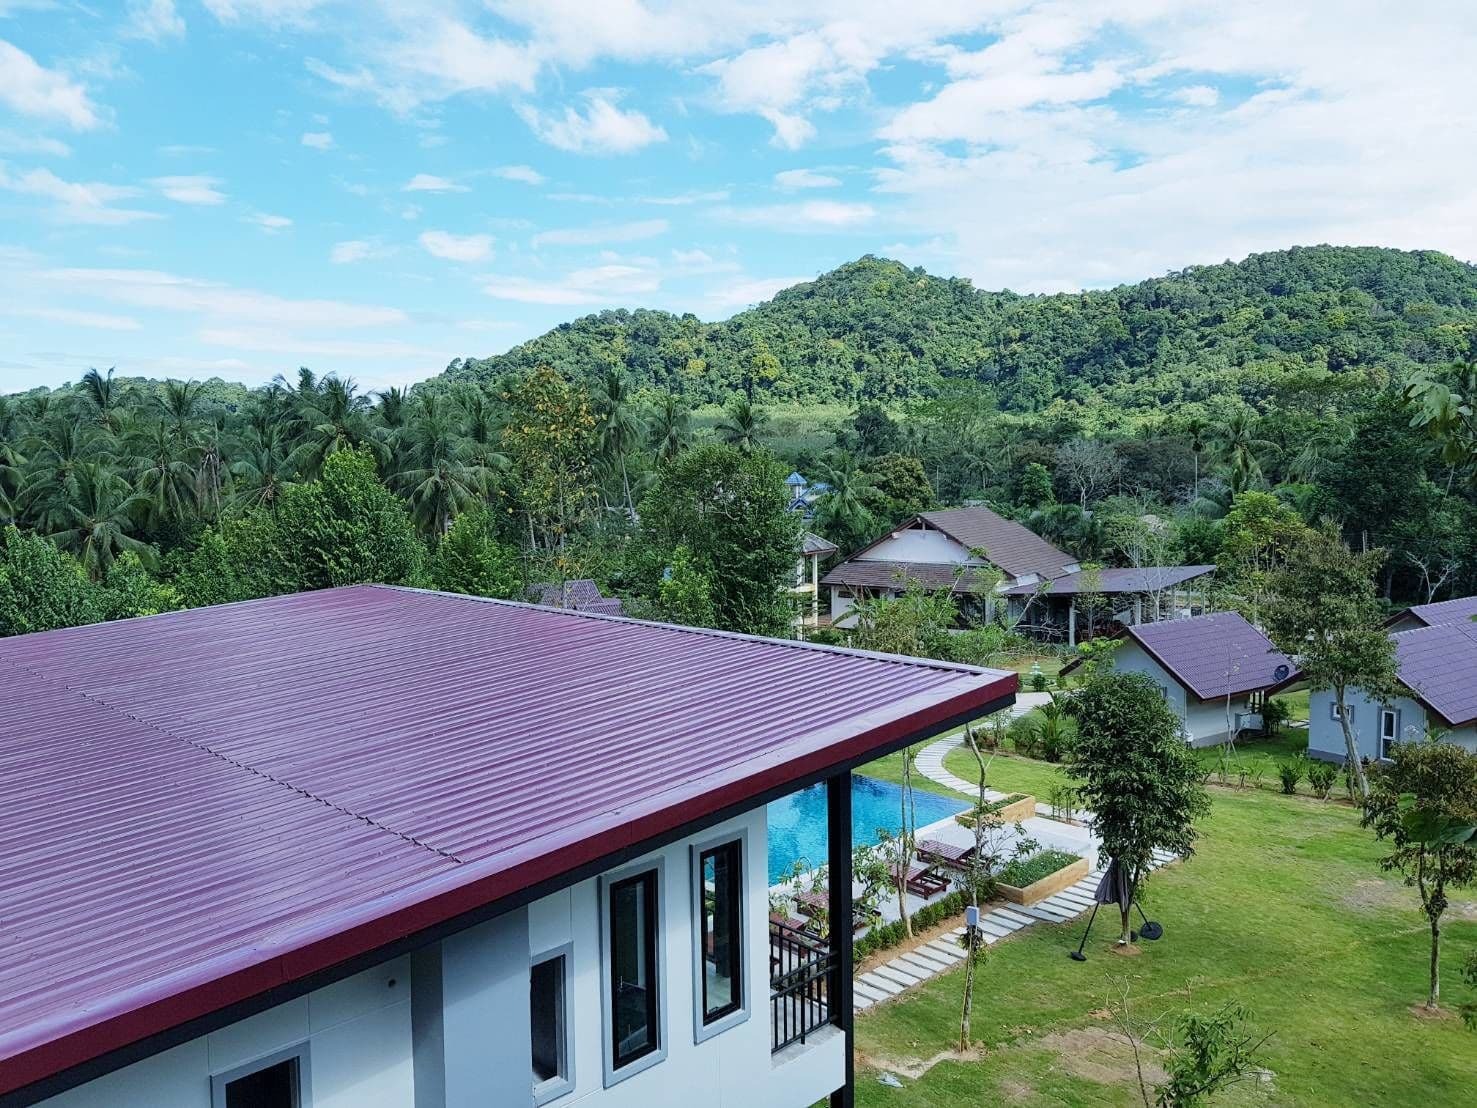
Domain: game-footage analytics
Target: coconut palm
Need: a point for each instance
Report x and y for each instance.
(1241, 450)
(11, 458)
(841, 512)
(260, 470)
(164, 473)
(180, 410)
(481, 428)
(104, 399)
(671, 425)
(621, 427)
(742, 424)
(335, 418)
(97, 522)
(54, 452)
(440, 479)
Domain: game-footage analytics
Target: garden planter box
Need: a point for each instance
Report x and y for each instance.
(1019, 809)
(1049, 885)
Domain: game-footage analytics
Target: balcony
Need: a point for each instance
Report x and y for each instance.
(800, 968)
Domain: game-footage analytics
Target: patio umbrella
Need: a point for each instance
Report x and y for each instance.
(1114, 888)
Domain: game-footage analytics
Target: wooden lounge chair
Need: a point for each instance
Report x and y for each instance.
(924, 881)
(816, 904)
(945, 854)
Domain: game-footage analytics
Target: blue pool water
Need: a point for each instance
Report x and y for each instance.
(797, 823)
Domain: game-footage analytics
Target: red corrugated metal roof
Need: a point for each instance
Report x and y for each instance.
(205, 805)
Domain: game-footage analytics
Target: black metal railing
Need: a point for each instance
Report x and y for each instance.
(799, 987)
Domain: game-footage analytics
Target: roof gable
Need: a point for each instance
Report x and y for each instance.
(1457, 610)
(1214, 655)
(1012, 546)
(1439, 665)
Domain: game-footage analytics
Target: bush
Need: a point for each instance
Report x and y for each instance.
(1027, 871)
(1047, 733)
(887, 935)
(1038, 682)
(1274, 714)
(1321, 775)
(1290, 772)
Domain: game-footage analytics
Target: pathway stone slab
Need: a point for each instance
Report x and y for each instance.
(881, 984)
(923, 962)
(902, 978)
(861, 988)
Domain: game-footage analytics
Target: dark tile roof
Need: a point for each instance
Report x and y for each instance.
(1116, 580)
(868, 574)
(581, 595)
(811, 543)
(204, 806)
(1460, 609)
(1439, 664)
(1013, 547)
(1213, 656)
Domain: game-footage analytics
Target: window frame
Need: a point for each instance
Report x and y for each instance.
(299, 1051)
(702, 1028)
(1333, 712)
(1387, 741)
(555, 1087)
(613, 1074)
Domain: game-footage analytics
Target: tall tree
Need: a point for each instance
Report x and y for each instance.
(1139, 778)
(97, 522)
(620, 426)
(1323, 609)
(742, 424)
(440, 478)
(42, 588)
(671, 431)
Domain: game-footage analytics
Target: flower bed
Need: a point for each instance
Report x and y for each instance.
(1009, 809)
(1043, 874)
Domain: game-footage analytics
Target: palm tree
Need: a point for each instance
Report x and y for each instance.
(336, 418)
(104, 399)
(841, 512)
(260, 469)
(670, 427)
(179, 408)
(742, 423)
(440, 479)
(621, 426)
(481, 427)
(1196, 429)
(164, 474)
(1241, 450)
(11, 458)
(1449, 415)
(96, 524)
(54, 453)
(1070, 528)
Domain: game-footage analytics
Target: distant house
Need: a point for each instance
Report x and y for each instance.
(806, 585)
(804, 493)
(1214, 670)
(1429, 615)
(581, 595)
(1437, 668)
(1039, 583)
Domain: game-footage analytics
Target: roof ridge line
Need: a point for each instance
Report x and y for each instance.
(236, 762)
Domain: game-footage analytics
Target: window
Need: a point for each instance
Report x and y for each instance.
(634, 971)
(277, 1081)
(1389, 730)
(1333, 712)
(549, 1025)
(720, 931)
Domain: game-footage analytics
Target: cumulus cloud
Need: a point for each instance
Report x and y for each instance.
(356, 250)
(155, 20)
(195, 190)
(805, 179)
(268, 222)
(456, 248)
(90, 202)
(810, 215)
(428, 182)
(318, 140)
(599, 128)
(30, 89)
(525, 174)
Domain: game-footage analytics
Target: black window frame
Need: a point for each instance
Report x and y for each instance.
(650, 882)
(297, 1056)
(735, 924)
(551, 1088)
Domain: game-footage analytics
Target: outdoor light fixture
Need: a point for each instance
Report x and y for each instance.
(972, 916)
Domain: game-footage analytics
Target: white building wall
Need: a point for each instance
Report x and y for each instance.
(448, 1027)
(916, 545)
(1326, 736)
(1204, 720)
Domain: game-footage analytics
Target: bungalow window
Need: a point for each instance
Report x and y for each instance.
(277, 1081)
(1333, 712)
(635, 1025)
(720, 930)
(1389, 730)
(549, 1025)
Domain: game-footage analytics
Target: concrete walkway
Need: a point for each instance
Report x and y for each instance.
(926, 960)
(930, 763)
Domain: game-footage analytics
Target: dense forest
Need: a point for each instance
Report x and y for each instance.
(1339, 389)
(877, 330)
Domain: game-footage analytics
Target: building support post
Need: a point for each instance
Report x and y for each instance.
(838, 865)
(1072, 622)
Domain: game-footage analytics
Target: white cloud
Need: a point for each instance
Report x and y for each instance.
(12, 142)
(196, 190)
(805, 179)
(155, 20)
(526, 291)
(456, 248)
(523, 173)
(427, 182)
(268, 340)
(318, 140)
(602, 233)
(356, 250)
(1197, 96)
(68, 317)
(31, 89)
(729, 298)
(809, 215)
(273, 12)
(601, 128)
(616, 281)
(269, 223)
(89, 202)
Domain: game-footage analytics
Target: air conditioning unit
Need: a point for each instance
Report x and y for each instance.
(1248, 721)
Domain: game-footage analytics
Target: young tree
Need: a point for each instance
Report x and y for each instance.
(42, 588)
(549, 437)
(1323, 609)
(685, 594)
(1424, 803)
(471, 560)
(1138, 775)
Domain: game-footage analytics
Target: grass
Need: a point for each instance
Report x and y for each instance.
(1007, 772)
(1283, 908)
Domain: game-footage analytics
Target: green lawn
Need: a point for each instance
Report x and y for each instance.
(1007, 773)
(1283, 909)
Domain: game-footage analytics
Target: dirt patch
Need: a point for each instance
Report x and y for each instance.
(1101, 1056)
(1013, 1091)
(1371, 895)
(1129, 951)
(1463, 909)
(913, 1068)
(1425, 1015)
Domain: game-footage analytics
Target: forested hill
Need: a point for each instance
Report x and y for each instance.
(875, 329)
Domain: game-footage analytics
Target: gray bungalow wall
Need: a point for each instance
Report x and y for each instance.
(1326, 737)
(1204, 720)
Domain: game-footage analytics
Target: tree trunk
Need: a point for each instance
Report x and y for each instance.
(1434, 997)
(1126, 935)
(1351, 748)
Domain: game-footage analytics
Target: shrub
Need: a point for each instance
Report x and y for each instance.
(1321, 775)
(887, 935)
(1274, 714)
(990, 807)
(1038, 681)
(1027, 871)
(1290, 771)
(1063, 800)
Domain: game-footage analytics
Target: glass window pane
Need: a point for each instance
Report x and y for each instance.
(546, 1005)
(272, 1087)
(633, 968)
(721, 931)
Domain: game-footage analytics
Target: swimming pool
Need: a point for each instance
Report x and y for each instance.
(797, 823)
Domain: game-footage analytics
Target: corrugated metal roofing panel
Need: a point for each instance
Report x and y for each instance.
(1114, 579)
(1462, 609)
(1439, 663)
(1012, 546)
(203, 805)
(1214, 655)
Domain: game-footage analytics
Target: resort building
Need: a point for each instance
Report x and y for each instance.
(1437, 670)
(806, 586)
(986, 560)
(377, 847)
(1429, 615)
(1215, 671)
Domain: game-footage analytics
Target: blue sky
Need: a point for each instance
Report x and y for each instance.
(238, 187)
